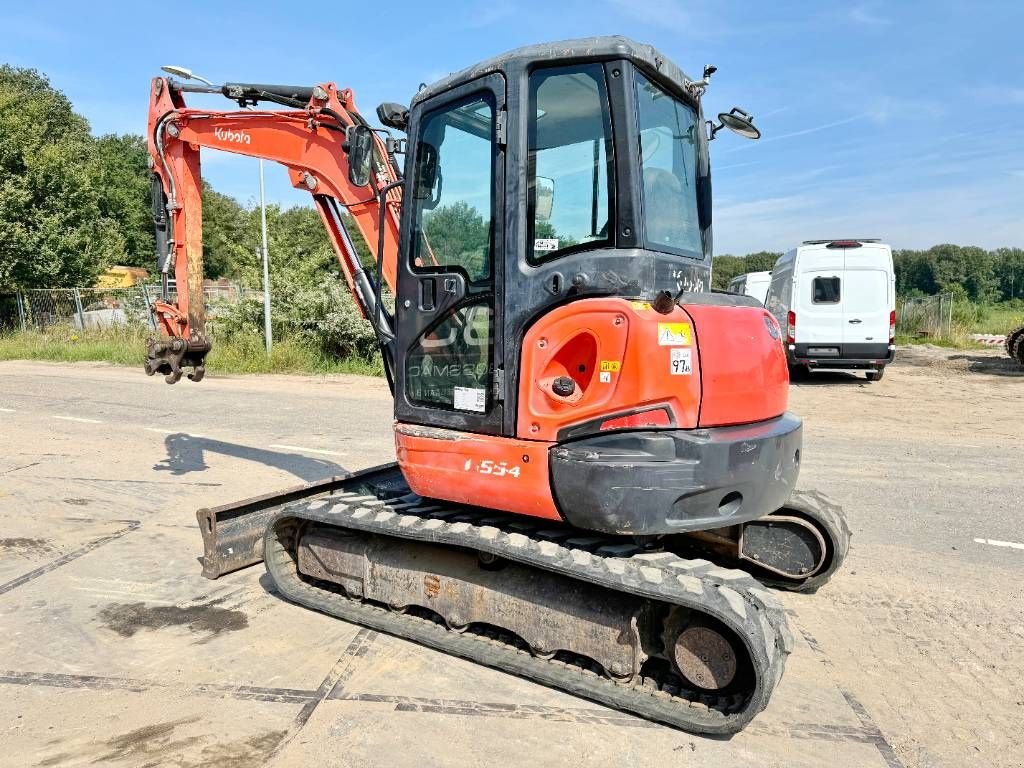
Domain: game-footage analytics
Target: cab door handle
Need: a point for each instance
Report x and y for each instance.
(855, 320)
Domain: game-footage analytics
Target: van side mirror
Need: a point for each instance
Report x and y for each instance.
(543, 198)
(360, 154)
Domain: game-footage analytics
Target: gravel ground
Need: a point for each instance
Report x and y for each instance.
(115, 650)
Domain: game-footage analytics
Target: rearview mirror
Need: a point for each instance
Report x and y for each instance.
(737, 121)
(543, 198)
(360, 155)
(426, 171)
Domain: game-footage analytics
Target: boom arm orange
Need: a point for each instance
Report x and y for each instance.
(309, 142)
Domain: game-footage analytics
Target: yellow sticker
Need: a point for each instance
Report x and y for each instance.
(611, 365)
(640, 305)
(674, 334)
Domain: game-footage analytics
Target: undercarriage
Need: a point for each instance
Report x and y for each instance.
(666, 628)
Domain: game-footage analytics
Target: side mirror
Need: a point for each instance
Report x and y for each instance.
(737, 121)
(426, 171)
(360, 155)
(543, 198)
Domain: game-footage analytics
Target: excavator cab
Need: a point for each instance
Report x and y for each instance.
(537, 178)
(557, 203)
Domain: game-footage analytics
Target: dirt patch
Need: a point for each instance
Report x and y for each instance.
(158, 745)
(128, 618)
(77, 502)
(24, 545)
(243, 753)
(993, 361)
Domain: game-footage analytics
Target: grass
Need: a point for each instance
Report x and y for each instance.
(127, 346)
(968, 318)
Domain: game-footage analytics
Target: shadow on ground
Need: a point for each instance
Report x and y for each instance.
(997, 366)
(823, 378)
(187, 454)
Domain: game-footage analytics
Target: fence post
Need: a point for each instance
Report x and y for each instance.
(149, 306)
(21, 310)
(78, 307)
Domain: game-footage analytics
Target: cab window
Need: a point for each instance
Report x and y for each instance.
(569, 161)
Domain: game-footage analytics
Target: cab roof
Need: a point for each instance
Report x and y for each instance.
(645, 56)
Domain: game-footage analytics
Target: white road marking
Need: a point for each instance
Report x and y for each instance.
(305, 450)
(997, 543)
(78, 419)
(7, 410)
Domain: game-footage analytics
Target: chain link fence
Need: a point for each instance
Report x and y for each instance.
(927, 317)
(98, 308)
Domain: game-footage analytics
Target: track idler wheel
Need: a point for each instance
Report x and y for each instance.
(703, 652)
(799, 546)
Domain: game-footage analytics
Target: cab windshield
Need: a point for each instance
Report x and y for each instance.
(669, 136)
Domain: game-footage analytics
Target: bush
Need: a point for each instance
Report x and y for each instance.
(321, 315)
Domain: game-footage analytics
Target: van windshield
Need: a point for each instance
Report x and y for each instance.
(669, 135)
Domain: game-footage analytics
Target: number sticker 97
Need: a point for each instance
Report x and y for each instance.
(680, 362)
(495, 468)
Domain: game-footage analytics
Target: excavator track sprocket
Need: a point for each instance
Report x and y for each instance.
(679, 617)
(798, 547)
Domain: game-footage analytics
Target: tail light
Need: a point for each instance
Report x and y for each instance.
(892, 326)
(791, 327)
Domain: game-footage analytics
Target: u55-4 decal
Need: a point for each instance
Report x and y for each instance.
(496, 468)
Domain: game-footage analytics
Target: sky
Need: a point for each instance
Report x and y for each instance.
(899, 120)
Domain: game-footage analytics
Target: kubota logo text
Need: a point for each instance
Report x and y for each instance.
(238, 137)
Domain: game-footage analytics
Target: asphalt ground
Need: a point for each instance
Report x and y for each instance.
(114, 649)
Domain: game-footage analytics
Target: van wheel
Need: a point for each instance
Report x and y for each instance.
(875, 375)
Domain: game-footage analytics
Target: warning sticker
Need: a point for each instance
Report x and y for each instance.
(470, 399)
(611, 365)
(606, 377)
(545, 244)
(680, 362)
(640, 306)
(673, 334)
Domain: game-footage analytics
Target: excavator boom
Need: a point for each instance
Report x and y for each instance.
(313, 144)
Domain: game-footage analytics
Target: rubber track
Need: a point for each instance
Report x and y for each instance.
(1015, 344)
(829, 516)
(732, 596)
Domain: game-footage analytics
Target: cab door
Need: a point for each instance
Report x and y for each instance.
(448, 312)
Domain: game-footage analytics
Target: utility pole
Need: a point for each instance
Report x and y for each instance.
(267, 332)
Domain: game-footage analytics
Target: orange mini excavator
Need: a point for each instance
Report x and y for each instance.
(590, 441)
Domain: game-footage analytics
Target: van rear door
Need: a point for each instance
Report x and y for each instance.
(819, 313)
(865, 303)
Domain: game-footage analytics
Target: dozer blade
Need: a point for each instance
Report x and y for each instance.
(233, 533)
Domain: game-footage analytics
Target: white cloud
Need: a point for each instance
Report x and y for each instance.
(1000, 94)
(860, 14)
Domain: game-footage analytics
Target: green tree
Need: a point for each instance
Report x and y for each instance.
(121, 180)
(726, 267)
(459, 235)
(52, 229)
(231, 236)
(1009, 272)
(964, 268)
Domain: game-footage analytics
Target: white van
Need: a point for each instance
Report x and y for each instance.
(752, 284)
(836, 300)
